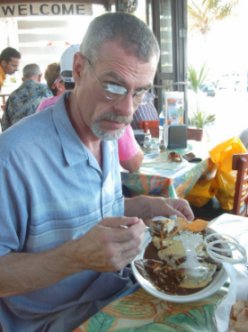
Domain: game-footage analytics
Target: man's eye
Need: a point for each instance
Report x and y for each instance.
(114, 88)
(140, 92)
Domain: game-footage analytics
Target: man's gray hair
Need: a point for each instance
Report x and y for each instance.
(132, 33)
(30, 70)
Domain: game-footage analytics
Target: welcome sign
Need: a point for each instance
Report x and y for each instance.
(44, 9)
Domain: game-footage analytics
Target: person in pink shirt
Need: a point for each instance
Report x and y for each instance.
(59, 76)
(130, 153)
(55, 83)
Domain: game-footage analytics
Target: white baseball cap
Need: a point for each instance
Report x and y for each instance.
(66, 62)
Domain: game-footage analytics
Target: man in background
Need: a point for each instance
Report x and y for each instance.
(9, 62)
(145, 112)
(25, 100)
(66, 66)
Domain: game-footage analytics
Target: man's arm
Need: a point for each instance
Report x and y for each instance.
(24, 272)
(130, 153)
(5, 121)
(133, 164)
(109, 246)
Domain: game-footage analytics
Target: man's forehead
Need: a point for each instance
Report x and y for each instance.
(14, 60)
(116, 47)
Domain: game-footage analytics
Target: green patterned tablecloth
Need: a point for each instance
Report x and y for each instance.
(158, 176)
(142, 312)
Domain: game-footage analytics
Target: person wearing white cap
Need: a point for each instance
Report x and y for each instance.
(66, 64)
(62, 80)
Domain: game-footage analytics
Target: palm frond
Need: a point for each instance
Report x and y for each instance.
(196, 78)
(203, 13)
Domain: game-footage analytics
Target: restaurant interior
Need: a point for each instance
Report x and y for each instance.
(210, 172)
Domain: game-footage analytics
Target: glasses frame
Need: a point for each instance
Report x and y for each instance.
(115, 92)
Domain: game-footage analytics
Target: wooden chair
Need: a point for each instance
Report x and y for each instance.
(240, 164)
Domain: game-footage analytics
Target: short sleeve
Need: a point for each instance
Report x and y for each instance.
(127, 145)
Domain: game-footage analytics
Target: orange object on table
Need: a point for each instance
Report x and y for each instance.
(152, 125)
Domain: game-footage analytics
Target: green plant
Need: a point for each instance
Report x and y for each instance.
(196, 78)
(204, 13)
(201, 119)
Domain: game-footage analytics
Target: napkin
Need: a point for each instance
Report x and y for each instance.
(222, 313)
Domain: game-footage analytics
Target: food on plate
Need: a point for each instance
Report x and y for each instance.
(174, 156)
(167, 226)
(176, 261)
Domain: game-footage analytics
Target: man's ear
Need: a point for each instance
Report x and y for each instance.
(79, 64)
(4, 63)
(39, 77)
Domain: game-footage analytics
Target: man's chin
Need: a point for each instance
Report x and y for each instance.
(112, 136)
(109, 136)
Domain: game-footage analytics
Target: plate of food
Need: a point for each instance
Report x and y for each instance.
(174, 264)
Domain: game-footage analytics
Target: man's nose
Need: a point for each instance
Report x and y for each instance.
(126, 105)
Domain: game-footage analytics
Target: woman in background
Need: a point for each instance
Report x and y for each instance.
(55, 83)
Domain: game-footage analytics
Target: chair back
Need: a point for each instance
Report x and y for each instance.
(240, 203)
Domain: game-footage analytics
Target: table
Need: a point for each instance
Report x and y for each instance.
(142, 312)
(159, 176)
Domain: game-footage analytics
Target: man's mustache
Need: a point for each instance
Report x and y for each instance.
(116, 118)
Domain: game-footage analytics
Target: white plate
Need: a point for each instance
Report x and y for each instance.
(218, 281)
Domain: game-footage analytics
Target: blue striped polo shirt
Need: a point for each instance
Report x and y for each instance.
(52, 190)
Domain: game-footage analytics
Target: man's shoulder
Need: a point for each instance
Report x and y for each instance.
(17, 91)
(26, 131)
(45, 90)
(39, 86)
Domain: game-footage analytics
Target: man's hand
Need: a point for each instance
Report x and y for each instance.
(147, 207)
(110, 245)
(179, 207)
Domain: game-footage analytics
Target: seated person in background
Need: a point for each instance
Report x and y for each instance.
(145, 111)
(66, 66)
(9, 62)
(130, 153)
(67, 234)
(59, 76)
(244, 137)
(55, 84)
(25, 100)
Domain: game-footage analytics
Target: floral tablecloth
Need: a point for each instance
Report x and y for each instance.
(142, 312)
(158, 176)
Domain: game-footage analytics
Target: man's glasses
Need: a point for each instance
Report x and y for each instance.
(114, 92)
